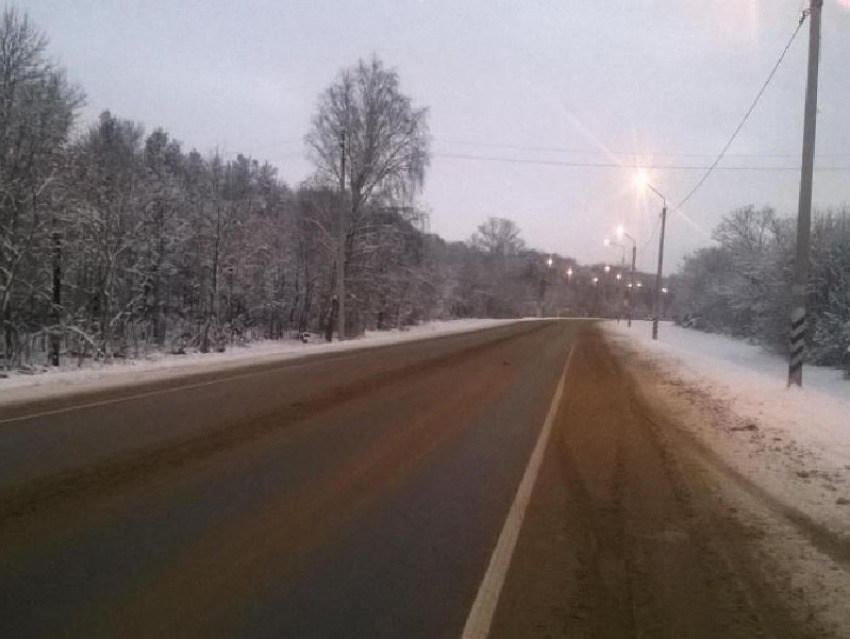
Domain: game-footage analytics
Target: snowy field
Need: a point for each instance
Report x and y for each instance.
(793, 442)
(73, 379)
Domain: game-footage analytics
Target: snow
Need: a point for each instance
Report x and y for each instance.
(793, 442)
(70, 379)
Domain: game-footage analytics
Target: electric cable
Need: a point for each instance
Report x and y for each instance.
(615, 165)
(746, 117)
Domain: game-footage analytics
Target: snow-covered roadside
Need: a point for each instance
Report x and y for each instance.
(794, 443)
(52, 383)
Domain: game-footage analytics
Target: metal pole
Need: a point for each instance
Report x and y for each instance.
(658, 274)
(804, 210)
(621, 288)
(340, 258)
(632, 287)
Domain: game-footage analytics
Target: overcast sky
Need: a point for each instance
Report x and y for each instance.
(657, 83)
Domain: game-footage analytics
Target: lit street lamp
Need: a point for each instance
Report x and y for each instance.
(665, 301)
(642, 181)
(544, 282)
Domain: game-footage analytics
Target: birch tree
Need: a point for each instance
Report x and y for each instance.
(384, 137)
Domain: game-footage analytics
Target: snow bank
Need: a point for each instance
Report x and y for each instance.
(793, 442)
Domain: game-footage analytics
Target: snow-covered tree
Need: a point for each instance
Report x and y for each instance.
(37, 110)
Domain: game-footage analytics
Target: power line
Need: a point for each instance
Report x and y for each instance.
(652, 235)
(615, 165)
(556, 149)
(745, 118)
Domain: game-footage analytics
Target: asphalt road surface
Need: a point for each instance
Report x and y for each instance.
(361, 495)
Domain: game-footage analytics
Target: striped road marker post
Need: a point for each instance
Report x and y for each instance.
(798, 346)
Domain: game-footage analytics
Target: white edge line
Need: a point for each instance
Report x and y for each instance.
(484, 607)
(285, 364)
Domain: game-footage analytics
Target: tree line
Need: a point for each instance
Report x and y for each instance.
(742, 286)
(116, 242)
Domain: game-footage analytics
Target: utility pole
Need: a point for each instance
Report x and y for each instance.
(658, 274)
(631, 287)
(804, 210)
(340, 258)
(55, 337)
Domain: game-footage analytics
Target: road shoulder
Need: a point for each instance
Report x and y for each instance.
(630, 533)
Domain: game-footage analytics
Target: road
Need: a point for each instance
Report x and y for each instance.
(361, 495)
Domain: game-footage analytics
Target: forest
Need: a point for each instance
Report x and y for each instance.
(742, 285)
(116, 242)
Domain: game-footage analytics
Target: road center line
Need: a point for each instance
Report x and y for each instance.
(484, 607)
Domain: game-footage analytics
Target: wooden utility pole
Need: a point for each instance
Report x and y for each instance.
(340, 258)
(804, 211)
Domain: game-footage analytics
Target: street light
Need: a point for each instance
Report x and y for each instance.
(642, 180)
(543, 284)
(619, 276)
(621, 233)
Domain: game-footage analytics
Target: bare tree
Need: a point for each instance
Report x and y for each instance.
(37, 111)
(387, 140)
(365, 124)
(498, 236)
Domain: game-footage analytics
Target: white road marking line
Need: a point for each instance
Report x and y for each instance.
(481, 614)
(356, 352)
(173, 389)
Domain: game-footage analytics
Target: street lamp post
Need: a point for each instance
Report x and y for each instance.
(657, 300)
(619, 276)
(621, 232)
(596, 296)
